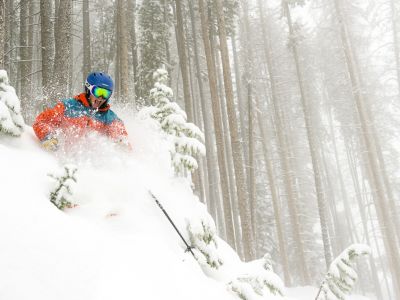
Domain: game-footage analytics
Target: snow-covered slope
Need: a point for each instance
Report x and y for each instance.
(116, 244)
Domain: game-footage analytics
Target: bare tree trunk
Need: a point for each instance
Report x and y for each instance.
(2, 31)
(87, 62)
(12, 31)
(363, 215)
(240, 176)
(63, 46)
(212, 78)
(29, 67)
(336, 233)
(132, 31)
(374, 179)
(23, 67)
(245, 134)
(183, 59)
(47, 47)
(7, 36)
(169, 67)
(112, 52)
(382, 167)
(284, 156)
(395, 42)
(280, 233)
(251, 167)
(239, 95)
(181, 41)
(197, 175)
(227, 146)
(343, 192)
(212, 196)
(313, 148)
(248, 66)
(122, 49)
(117, 64)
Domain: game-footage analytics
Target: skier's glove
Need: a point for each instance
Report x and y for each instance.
(123, 144)
(50, 144)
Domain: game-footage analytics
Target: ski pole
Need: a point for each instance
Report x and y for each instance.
(188, 248)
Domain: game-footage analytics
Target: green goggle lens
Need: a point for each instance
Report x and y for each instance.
(101, 92)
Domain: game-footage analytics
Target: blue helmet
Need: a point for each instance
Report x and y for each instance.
(100, 79)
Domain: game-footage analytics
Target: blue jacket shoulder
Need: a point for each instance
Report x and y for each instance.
(108, 117)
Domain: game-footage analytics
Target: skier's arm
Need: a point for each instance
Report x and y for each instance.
(117, 132)
(48, 121)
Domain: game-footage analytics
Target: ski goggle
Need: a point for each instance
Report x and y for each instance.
(99, 91)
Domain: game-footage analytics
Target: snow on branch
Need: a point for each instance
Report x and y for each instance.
(64, 181)
(257, 281)
(341, 275)
(186, 139)
(202, 233)
(11, 120)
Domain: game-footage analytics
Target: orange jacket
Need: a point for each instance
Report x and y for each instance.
(74, 118)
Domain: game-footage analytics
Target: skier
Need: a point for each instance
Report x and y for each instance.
(89, 111)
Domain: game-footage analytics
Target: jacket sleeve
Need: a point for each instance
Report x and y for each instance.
(48, 121)
(116, 130)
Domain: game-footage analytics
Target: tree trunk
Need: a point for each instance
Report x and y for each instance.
(374, 177)
(313, 148)
(395, 42)
(335, 227)
(198, 174)
(7, 36)
(112, 52)
(248, 71)
(183, 63)
(343, 192)
(30, 94)
(47, 45)
(212, 195)
(239, 95)
(251, 167)
(227, 145)
(87, 62)
(63, 46)
(382, 167)
(166, 19)
(280, 233)
(24, 60)
(2, 32)
(363, 215)
(122, 49)
(181, 41)
(240, 176)
(284, 156)
(132, 31)
(212, 78)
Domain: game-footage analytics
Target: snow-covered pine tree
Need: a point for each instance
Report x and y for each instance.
(341, 275)
(254, 280)
(202, 234)
(61, 192)
(258, 281)
(11, 120)
(186, 139)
